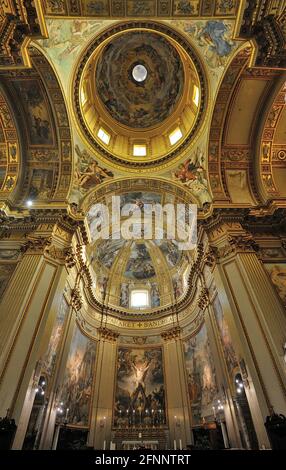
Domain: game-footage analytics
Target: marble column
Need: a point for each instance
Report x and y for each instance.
(103, 396)
(256, 319)
(26, 312)
(223, 380)
(177, 393)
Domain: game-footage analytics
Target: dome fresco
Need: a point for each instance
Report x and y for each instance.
(150, 98)
(140, 94)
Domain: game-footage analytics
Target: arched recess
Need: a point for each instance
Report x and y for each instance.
(270, 154)
(45, 131)
(233, 136)
(100, 291)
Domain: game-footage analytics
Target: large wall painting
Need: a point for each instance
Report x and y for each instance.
(202, 385)
(277, 273)
(49, 359)
(140, 395)
(6, 271)
(228, 350)
(78, 379)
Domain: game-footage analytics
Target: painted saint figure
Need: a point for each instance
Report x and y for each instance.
(140, 371)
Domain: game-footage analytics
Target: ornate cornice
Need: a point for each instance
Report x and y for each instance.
(203, 299)
(264, 22)
(76, 299)
(171, 334)
(107, 334)
(36, 244)
(20, 22)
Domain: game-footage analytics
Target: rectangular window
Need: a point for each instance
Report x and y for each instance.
(175, 136)
(139, 150)
(103, 135)
(196, 95)
(139, 298)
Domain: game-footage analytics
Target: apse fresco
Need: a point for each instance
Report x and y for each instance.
(78, 379)
(229, 352)
(201, 376)
(6, 271)
(178, 285)
(124, 295)
(107, 250)
(139, 265)
(49, 359)
(277, 273)
(148, 102)
(155, 295)
(170, 250)
(36, 109)
(140, 198)
(140, 395)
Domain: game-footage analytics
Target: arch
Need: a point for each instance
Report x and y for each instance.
(10, 150)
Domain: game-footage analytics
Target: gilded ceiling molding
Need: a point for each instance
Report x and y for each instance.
(10, 159)
(103, 151)
(142, 9)
(217, 156)
(20, 22)
(272, 154)
(264, 22)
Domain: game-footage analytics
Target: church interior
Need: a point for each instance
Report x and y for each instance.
(110, 342)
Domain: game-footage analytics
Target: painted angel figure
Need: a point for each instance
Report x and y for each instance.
(93, 173)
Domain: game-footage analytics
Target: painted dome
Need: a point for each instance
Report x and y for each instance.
(139, 79)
